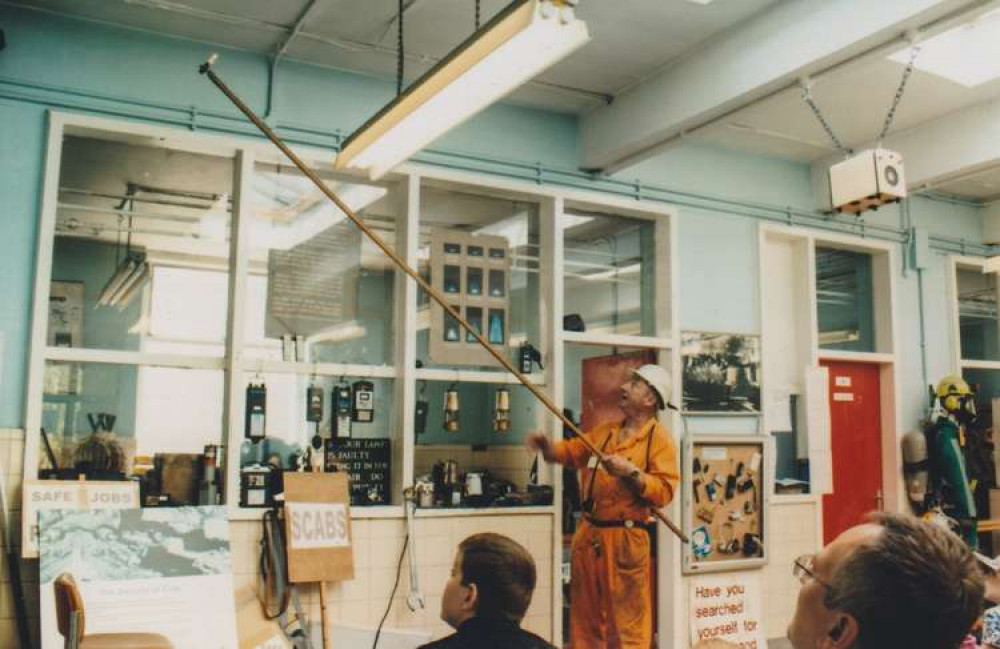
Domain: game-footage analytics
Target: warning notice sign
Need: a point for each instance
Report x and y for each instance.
(727, 607)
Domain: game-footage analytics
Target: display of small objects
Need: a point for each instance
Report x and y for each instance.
(726, 500)
(473, 271)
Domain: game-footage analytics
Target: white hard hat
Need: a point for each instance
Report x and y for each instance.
(659, 380)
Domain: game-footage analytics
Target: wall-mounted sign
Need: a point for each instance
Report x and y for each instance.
(727, 607)
(39, 495)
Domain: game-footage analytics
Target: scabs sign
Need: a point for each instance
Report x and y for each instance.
(317, 525)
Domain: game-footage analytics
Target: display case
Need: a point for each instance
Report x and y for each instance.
(725, 494)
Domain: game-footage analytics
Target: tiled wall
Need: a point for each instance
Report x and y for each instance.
(11, 455)
(794, 532)
(360, 602)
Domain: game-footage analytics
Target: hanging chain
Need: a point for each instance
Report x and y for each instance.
(914, 50)
(807, 97)
(477, 15)
(399, 51)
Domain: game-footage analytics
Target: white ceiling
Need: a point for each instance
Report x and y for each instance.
(631, 39)
(632, 42)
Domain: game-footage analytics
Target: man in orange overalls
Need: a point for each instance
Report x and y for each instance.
(611, 596)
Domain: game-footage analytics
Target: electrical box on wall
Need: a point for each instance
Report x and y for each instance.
(867, 181)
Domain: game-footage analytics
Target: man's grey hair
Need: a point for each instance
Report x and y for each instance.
(916, 585)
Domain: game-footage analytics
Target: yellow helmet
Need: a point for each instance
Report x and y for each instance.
(954, 393)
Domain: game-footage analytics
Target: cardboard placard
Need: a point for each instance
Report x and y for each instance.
(318, 527)
(38, 495)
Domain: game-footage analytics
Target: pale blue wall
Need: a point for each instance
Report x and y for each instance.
(116, 72)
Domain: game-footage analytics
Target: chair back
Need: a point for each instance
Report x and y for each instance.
(68, 603)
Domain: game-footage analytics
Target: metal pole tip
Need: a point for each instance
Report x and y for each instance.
(207, 65)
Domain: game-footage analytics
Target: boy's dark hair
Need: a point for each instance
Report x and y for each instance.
(503, 572)
(916, 585)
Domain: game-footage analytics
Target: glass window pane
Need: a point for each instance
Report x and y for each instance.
(314, 274)
(289, 437)
(845, 313)
(487, 440)
(100, 418)
(499, 284)
(131, 220)
(977, 315)
(609, 272)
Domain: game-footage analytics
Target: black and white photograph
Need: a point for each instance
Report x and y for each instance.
(721, 372)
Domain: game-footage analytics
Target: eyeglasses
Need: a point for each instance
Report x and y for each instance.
(802, 569)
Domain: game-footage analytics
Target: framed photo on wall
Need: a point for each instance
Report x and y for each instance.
(721, 373)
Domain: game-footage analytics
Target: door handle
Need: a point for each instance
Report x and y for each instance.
(879, 501)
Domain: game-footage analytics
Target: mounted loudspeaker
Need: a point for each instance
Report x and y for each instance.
(867, 181)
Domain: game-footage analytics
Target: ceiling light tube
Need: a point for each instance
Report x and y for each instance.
(118, 278)
(522, 41)
(124, 294)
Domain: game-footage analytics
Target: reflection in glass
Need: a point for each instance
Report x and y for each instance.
(126, 213)
(452, 279)
(845, 313)
(609, 275)
(475, 251)
(496, 327)
(498, 286)
(313, 274)
(474, 315)
(977, 315)
(94, 408)
(451, 326)
(460, 208)
(452, 248)
(474, 281)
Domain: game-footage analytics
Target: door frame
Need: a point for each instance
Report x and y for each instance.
(885, 271)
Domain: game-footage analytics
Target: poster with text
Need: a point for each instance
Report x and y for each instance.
(153, 570)
(727, 607)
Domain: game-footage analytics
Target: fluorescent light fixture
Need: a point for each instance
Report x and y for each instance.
(340, 333)
(839, 336)
(966, 54)
(322, 214)
(700, 2)
(612, 273)
(522, 41)
(131, 287)
(122, 273)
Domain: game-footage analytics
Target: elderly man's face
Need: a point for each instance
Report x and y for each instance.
(813, 622)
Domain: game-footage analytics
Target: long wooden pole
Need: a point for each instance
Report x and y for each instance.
(206, 69)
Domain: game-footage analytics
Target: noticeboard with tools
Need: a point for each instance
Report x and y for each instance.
(725, 502)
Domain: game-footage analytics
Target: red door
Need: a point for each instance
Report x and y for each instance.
(856, 445)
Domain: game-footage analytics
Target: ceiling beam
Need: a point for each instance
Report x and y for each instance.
(769, 53)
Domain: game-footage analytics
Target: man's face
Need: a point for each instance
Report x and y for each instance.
(636, 395)
(813, 622)
(458, 600)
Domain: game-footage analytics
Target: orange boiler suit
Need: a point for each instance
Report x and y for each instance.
(610, 589)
